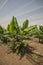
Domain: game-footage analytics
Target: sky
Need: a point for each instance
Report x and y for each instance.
(22, 10)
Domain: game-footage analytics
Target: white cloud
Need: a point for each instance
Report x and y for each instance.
(5, 20)
(21, 13)
(18, 12)
(36, 22)
(28, 11)
(3, 4)
(36, 17)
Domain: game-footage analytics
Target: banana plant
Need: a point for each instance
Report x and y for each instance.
(1, 30)
(25, 24)
(15, 34)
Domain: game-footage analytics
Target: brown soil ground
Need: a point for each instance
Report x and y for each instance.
(14, 59)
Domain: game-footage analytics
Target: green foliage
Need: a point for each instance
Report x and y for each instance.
(14, 35)
(25, 24)
(8, 27)
(41, 28)
(14, 25)
(19, 47)
(4, 39)
(35, 57)
(40, 36)
(1, 30)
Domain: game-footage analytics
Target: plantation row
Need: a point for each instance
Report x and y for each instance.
(14, 35)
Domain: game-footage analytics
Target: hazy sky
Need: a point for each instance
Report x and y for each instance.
(21, 9)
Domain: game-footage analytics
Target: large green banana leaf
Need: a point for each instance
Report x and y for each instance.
(13, 26)
(25, 24)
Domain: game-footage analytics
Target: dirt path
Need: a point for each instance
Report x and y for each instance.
(38, 47)
(13, 59)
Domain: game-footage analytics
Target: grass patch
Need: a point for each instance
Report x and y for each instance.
(35, 57)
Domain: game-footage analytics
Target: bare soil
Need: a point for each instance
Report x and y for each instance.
(14, 59)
